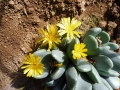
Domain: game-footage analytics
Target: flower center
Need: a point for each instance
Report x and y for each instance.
(35, 65)
(50, 37)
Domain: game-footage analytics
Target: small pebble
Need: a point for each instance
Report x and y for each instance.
(18, 7)
(102, 24)
(30, 10)
(11, 3)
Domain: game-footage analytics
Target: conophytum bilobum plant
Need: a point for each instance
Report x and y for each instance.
(67, 62)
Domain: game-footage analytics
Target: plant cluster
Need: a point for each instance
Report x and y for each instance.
(66, 61)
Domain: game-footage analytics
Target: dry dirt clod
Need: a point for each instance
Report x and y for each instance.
(27, 3)
(102, 24)
(52, 13)
(25, 12)
(109, 4)
(110, 28)
(35, 20)
(30, 10)
(11, 3)
(18, 7)
(114, 11)
(80, 5)
(25, 48)
(111, 25)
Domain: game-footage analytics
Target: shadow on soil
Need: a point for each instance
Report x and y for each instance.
(20, 81)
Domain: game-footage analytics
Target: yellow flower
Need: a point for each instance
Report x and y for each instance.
(79, 51)
(68, 27)
(32, 66)
(50, 37)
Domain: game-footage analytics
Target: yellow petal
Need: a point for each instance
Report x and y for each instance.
(61, 26)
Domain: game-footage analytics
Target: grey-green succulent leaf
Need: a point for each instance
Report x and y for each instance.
(47, 57)
(115, 57)
(103, 63)
(106, 84)
(65, 87)
(71, 75)
(94, 75)
(93, 52)
(113, 46)
(59, 56)
(104, 37)
(59, 71)
(109, 73)
(82, 83)
(84, 65)
(65, 42)
(60, 84)
(50, 82)
(99, 86)
(98, 51)
(114, 82)
(103, 49)
(91, 42)
(40, 52)
(93, 31)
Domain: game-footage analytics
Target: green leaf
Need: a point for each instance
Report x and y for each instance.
(59, 71)
(93, 52)
(91, 42)
(50, 83)
(99, 50)
(114, 82)
(58, 55)
(45, 73)
(113, 46)
(83, 66)
(47, 57)
(103, 49)
(71, 75)
(103, 63)
(108, 73)
(93, 31)
(115, 57)
(65, 42)
(100, 86)
(94, 75)
(106, 84)
(40, 52)
(82, 83)
(65, 87)
(60, 84)
(104, 37)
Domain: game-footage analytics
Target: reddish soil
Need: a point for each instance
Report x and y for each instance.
(20, 21)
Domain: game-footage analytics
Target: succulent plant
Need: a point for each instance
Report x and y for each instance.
(89, 63)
